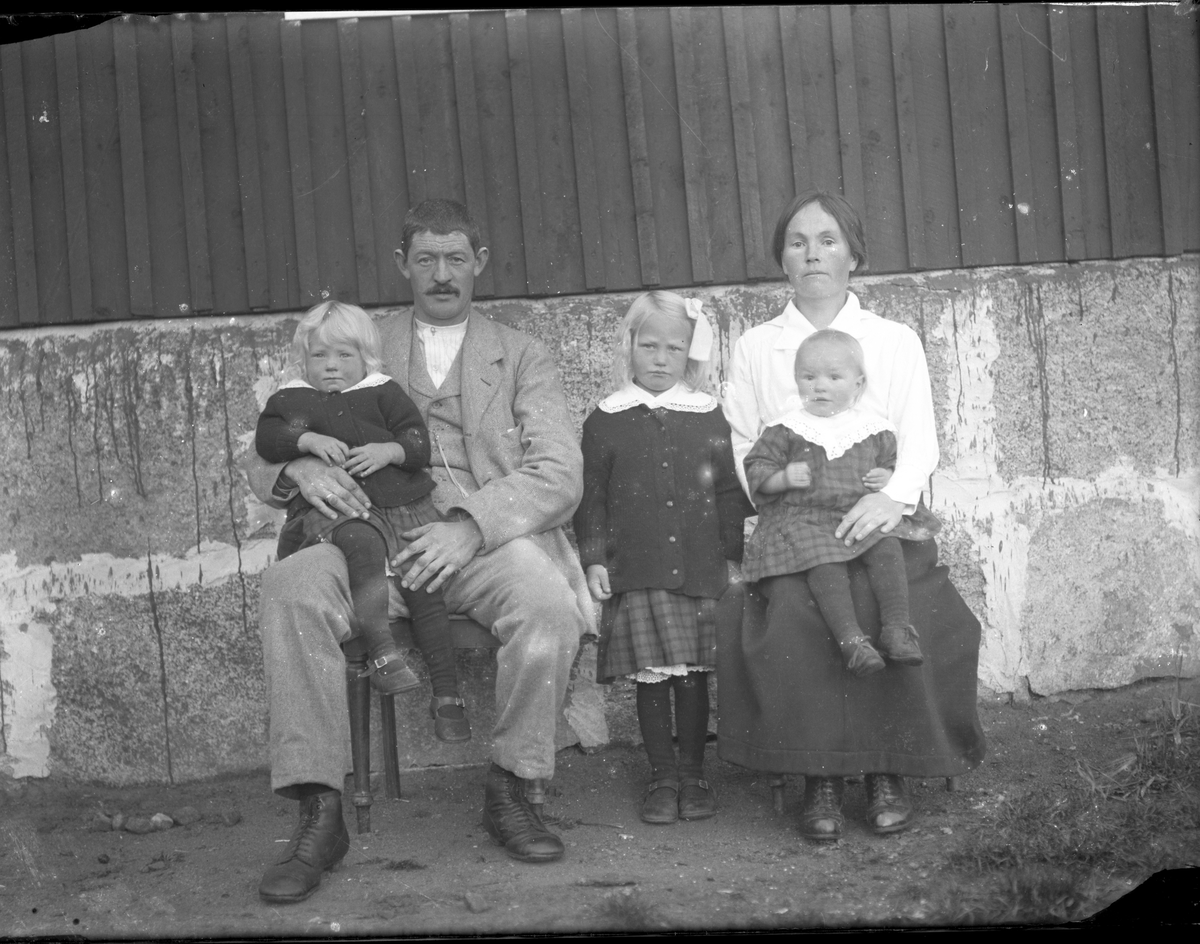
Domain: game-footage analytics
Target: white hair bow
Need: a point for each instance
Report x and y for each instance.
(702, 333)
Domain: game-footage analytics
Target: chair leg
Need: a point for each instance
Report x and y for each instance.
(358, 694)
(777, 784)
(391, 755)
(951, 784)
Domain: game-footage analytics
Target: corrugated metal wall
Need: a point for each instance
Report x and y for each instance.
(231, 163)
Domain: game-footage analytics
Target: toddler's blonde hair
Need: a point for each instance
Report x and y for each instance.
(669, 304)
(335, 323)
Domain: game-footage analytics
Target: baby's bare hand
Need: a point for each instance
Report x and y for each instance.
(797, 475)
(877, 479)
(333, 451)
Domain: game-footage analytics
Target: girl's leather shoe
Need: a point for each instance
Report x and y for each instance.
(319, 843)
(661, 805)
(447, 727)
(821, 818)
(697, 800)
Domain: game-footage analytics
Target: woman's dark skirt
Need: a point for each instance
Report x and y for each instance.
(788, 705)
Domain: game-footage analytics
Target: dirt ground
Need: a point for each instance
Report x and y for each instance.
(428, 866)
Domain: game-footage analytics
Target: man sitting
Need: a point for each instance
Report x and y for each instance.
(508, 472)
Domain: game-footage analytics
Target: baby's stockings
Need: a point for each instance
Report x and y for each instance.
(830, 586)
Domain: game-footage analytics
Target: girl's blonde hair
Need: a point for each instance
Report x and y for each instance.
(668, 304)
(831, 337)
(335, 323)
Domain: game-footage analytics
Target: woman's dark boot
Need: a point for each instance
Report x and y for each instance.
(888, 808)
(821, 818)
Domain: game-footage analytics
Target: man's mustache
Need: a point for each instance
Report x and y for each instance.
(442, 290)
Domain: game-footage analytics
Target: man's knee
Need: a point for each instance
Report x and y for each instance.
(538, 598)
(307, 585)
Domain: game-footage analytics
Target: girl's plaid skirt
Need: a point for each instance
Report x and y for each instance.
(644, 628)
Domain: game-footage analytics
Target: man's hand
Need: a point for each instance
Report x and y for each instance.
(327, 488)
(333, 451)
(797, 475)
(440, 550)
(597, 581)
(871, 512)
(877, 478)
(372, 457)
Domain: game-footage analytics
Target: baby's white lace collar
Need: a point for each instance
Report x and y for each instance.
(678, 398)
(835, 434)
(371, 380)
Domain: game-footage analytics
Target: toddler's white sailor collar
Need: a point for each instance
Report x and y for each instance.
(853, 319)
(835, 434)
(375, 379)
(678, 398)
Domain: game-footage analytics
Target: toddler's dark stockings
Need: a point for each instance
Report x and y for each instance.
(366, 554)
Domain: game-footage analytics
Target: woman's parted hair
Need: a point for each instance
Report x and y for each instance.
(658, 302)
(837, 207)
(335, 322)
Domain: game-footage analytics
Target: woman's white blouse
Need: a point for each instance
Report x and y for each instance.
(762, 379)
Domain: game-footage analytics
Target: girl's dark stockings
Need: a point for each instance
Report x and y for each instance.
(691, 724)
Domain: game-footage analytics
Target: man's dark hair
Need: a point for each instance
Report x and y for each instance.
(440, 217)
(836, 206)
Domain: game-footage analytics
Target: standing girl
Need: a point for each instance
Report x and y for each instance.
(662, 512)
(339, 407)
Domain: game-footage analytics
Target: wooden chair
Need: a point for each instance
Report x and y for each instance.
(467, 635)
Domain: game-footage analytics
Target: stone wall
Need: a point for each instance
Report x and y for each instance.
(1067, 400)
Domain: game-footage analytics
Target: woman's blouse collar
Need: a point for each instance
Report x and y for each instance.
(375, 379)
(835, 434)
(796, 327)
(678, 398)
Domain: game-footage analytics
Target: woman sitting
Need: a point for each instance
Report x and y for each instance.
(787, 704)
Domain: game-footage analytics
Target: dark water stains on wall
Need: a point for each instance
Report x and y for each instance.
(127, 435)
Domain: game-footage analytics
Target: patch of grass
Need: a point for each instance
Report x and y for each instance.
(1118, 818)
(1030, 895)
(627, 910)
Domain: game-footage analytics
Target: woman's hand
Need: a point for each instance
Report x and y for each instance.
(441, 550)
(871, 512)
(597, 581)
(327, 488)
(372, 457)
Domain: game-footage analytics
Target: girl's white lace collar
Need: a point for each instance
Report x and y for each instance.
(835, 434)
(371, 380)
(678, 398)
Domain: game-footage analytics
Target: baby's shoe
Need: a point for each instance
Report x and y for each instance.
(449, 716)
(860, 656)
(390, 674)
(899, 644)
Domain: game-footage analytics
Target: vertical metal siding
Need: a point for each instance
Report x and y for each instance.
(226, 163)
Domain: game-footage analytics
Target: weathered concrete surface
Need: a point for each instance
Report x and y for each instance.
(1069, 485)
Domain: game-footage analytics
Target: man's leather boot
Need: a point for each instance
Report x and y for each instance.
(319, 843)
(512, 822)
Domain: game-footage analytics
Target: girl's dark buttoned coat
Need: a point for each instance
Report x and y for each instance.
(662, 506)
